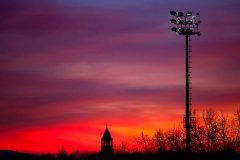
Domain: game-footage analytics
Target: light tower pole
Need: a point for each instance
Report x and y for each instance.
(187, 25)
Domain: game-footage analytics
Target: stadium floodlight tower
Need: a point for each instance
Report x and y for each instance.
(186, 24)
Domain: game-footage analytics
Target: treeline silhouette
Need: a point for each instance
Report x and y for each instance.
(216, 137)
(214, 132)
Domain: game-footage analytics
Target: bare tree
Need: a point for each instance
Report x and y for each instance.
(62, 154)
(235, 131)
(237, 125)
(216, 132)
(226, 133)
(211, 126)
(145, 143)
(198, 136)
(122, 148)
(159, 141)
(174, 140)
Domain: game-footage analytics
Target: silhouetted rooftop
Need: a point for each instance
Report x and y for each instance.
(106, 135)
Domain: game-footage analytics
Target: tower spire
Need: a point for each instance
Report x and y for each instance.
(106, 143)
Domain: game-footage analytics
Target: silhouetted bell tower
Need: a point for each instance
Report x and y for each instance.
(106, 143)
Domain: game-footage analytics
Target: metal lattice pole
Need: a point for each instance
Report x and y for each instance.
(187, 25)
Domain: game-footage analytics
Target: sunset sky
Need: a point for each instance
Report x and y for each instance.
(69, 67)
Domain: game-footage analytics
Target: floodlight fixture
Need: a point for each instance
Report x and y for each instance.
(181, 22)
(180, 14)
(174, 29)
(177, 14)
(189, 22)
(173, 13)
(189, 31)
(189, 14)
(174, 21)
(181, 31)
(186, 21)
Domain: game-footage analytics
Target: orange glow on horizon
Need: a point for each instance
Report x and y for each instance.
(79, 136)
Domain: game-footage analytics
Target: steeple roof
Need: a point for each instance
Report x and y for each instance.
(106, 135)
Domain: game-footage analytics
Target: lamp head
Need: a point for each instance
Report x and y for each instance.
(174, 29)
(180, 14)
(181, 31)
(189, 14)
(174, 21)
(189, 31)
(173, 13)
